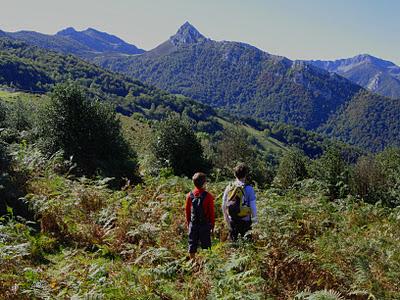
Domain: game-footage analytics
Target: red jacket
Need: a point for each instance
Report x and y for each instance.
(208, 206)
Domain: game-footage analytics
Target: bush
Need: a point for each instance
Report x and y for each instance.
(87, 130)
(20, 115)
(235, 146)
(3, 113)
(292, 168)
(389, 159)
(4, 163)
(332, 169)
(377, 178)
(368, 180)
(176, 146)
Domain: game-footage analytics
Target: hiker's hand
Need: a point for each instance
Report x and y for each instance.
(212, 231)
(254, 221)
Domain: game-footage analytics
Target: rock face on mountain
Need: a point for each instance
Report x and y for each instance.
(85, 44)
(187, 34)
(374, 74)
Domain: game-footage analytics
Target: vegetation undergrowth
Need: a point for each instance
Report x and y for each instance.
(95, 242)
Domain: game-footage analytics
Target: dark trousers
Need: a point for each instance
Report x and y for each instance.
(238, 227)
(199, 234)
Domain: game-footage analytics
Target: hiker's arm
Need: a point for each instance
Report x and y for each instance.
(224, 200)
(211, 211)
(253, 206)
(188, 207)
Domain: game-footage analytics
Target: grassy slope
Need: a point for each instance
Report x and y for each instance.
(142, 130)
(14, 96)
(267, 143)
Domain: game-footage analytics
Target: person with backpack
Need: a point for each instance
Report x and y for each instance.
(200, 217)
(239, 204)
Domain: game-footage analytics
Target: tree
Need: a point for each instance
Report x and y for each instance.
(292, 168)
(4, 164)
(176, 146)
(235, 146)
(368, 180)
(87, 130)
(389, 160)
(377, 178)
(334, 170)
(3, 113)
(20, 116)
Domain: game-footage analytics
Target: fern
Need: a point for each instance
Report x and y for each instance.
(320, 295)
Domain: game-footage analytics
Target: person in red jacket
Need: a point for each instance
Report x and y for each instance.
(200, 217)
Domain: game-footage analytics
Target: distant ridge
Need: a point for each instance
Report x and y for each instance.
(99, 41)
(86, 44)
(375, 74)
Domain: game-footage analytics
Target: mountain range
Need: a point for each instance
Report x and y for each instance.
(85, 44)
(376, 75)
(243, 80)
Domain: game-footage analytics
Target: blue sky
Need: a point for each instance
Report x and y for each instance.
(308, 29)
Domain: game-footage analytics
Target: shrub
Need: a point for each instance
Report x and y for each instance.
(292, 168)
(233, 147)
(389, 160)
(236, 146)
(332, 169)
(3, 113)
(4, 162)
(20, 115)
(176, 146)
(87, 130)
(368, 180)
(377, 178)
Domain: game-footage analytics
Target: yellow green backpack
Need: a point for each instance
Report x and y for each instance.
(235, 206)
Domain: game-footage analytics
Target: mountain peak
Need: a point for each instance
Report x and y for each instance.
(67, 31)
(98, 41)
(187, 34)
(375, 60)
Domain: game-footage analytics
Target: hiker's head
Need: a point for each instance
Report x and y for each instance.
(199, 179)
(241, 171)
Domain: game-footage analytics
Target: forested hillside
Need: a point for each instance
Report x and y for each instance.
(239, 78)
(249, 82)
(33, 69)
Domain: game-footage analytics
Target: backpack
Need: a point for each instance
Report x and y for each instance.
(197, 212)
(235, 206)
